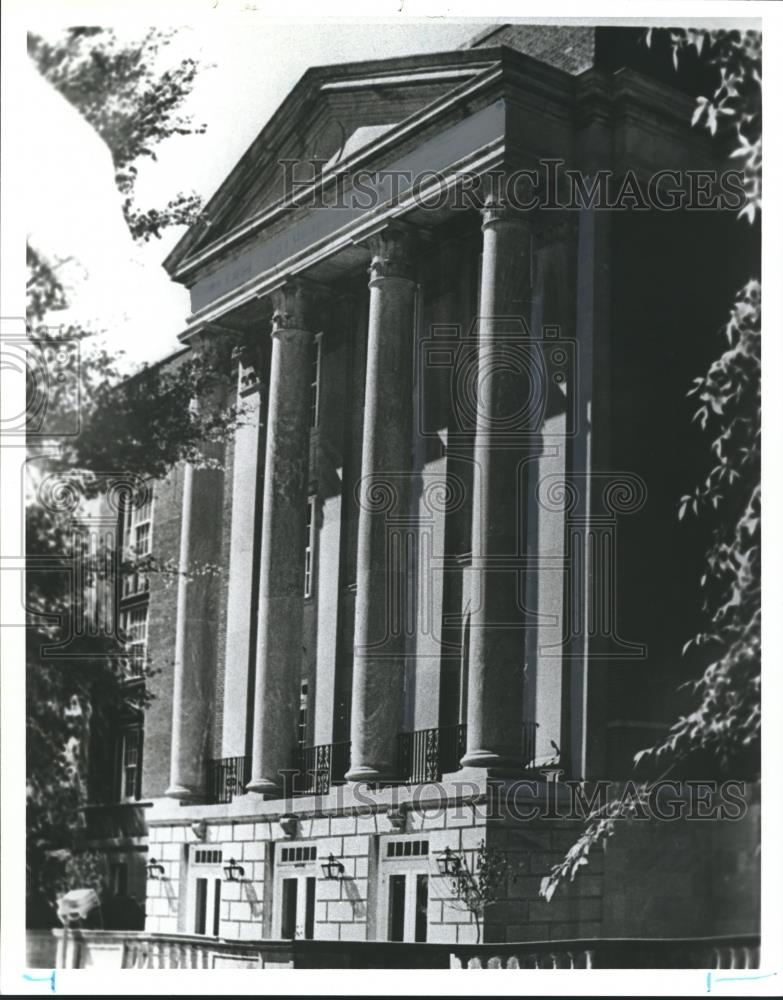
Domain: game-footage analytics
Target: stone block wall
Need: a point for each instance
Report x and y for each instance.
(655, 879)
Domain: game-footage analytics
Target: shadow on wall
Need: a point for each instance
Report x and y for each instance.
(684, 877)
(357, 902)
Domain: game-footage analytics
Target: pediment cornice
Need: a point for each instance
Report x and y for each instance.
(318, 115)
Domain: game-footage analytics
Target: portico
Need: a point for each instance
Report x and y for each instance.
(419, 511)
(374, 676)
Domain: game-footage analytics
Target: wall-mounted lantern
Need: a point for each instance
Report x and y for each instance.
(449, 864)
(232, 871)
(333, 869)
(155, 869)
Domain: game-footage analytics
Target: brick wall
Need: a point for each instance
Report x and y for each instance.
(568, 47)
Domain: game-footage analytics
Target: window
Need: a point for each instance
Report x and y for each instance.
(207, 856)
(203, 895)
(309, 546)
(315, 381)
(202, 907)
(301, 728)
(422, 902)
(309, 921)
(138, 523)
(137, 539)
(129, 763)
(134, 624)
(288, 923)
(297, 855)
(407, 848)
(396, 923)
(216, 908)
(403, 898)
(293, 909)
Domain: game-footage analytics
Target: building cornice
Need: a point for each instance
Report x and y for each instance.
(520, 88)
(260, 286)
(388, 141)
(288, 118)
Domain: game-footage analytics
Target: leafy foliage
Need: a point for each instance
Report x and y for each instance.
(474, 890)
(75, 669)
(735, 106)
(727, 720)
(77, 664)
(725, 724)
(131, 104)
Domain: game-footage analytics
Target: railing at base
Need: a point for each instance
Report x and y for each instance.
(227, 777)
(428, 754)
(321, 767)
(78, 949)
(736, 952)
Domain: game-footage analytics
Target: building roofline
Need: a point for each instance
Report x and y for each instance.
(305, 91)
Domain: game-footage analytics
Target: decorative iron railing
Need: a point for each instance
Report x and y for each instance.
(227, 777)
(428, 754)
(321, 767)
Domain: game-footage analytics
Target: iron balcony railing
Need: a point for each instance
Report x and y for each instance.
(428, 754)
(321, 767)
(227, 777)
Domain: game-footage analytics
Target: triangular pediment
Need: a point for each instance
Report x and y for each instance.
(330, 115)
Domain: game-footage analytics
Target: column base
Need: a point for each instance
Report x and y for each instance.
(183, 794)
(371, 776)
(487, 759)
(264, 786)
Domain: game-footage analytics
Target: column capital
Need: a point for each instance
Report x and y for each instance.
(294, 303)
(496, 211)
(392, 250)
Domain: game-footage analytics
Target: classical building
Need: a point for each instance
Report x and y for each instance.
(438, 563)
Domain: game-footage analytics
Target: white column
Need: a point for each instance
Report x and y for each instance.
(245, 544)
(504, 388)
(384, 491)
(280, 599)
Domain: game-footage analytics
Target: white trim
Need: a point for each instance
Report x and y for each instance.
(312, 511)
(315, 384)
(416, 77)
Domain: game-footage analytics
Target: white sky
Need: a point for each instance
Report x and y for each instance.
(247, 71)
